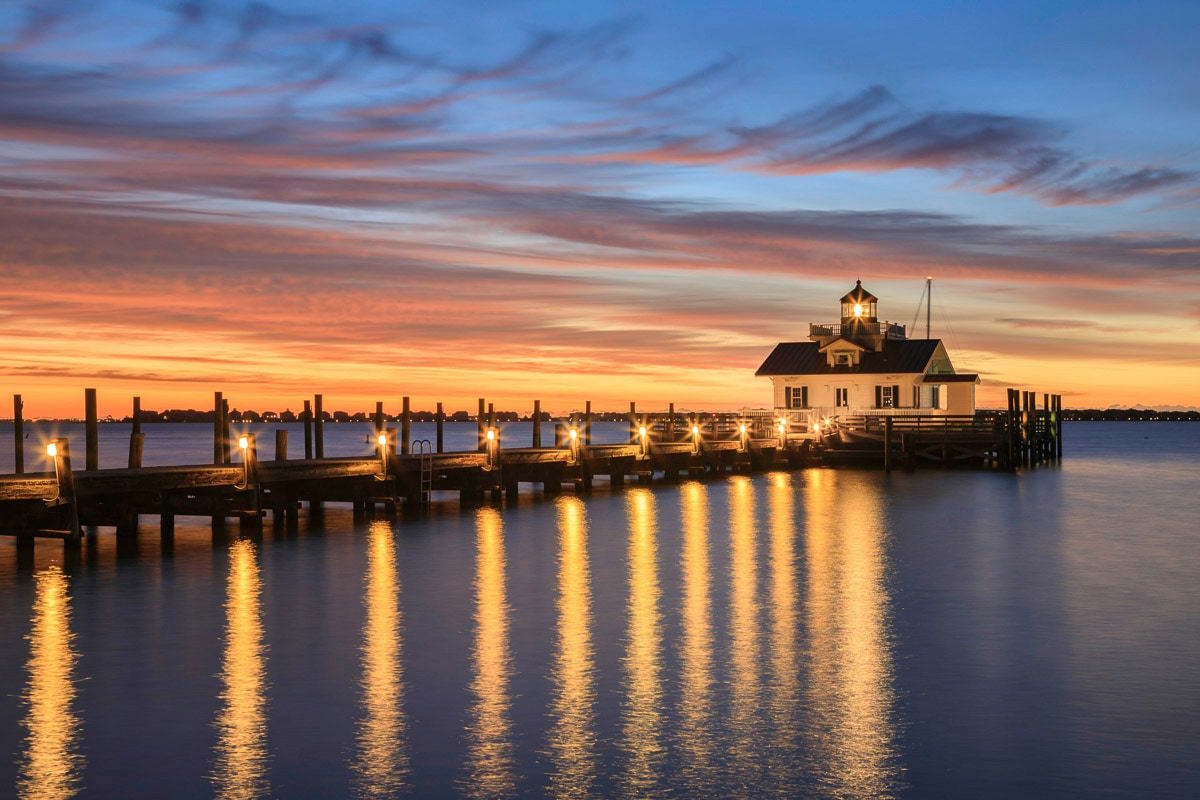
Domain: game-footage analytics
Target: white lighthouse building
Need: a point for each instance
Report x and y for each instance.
(863, 367)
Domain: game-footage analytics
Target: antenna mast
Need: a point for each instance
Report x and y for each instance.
(928, 302)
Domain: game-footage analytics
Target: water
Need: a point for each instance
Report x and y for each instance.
(822, 633)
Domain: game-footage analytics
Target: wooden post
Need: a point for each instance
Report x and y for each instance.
(633, 422)
(137, 446)
(378, 417)
(887, 444)
(537, 423)
(481, 419)
(587, 423)
(226, 439)
(318, 426)
(1058, 425)
(670, 432)
(92, 460)
(19, 435)
(441, 421)
(308, 451)
(281, 439)
(66, 488)
(218, 409)
(560, 434)
(491, 417)
(137, 415)
(406, 428)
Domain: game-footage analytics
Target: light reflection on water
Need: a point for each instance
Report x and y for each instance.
(642, 714)
(744, 662)
(240, 771)
(381, 763)
(490, 764)
(572, 736)
(783, 701)
(696, 741)
(52, 762)
(850, 685)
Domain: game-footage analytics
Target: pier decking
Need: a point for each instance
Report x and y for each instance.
(405, 473)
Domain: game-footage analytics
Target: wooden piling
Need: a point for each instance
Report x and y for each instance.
(281, 445)
(1058, 426)
(633, 422)
(18, 435)
(481, 419)
(137, 446)
(670, 432)
(307, 414)
(66, 489)
(218, 412)
(137, 415)
(537, 423)
(587, 423)
(405, 427)
(378, 417)
(92, 433)
(441, 422)
(887, 444)
(318, 426)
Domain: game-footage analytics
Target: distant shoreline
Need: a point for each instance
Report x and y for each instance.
(1069, 415)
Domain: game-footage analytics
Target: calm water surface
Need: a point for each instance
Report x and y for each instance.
(822, 633)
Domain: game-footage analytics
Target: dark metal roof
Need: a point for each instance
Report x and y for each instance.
(897, 356)
(962, 377)
(859, 295)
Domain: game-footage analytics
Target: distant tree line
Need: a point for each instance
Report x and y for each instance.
(1128, 415)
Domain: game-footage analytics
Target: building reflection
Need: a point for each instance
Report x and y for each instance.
(490, 762)
(848, 626)
(696, 645)
(381, 765)
(642, 717)
(744, 611)
(241, 753)
(783, 701)
(572, 739)
(51, 764)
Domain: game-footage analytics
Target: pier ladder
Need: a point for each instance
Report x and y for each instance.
(424, 451)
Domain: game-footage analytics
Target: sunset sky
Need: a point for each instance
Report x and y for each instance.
(578, 201)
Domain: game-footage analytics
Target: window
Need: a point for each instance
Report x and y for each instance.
(935, 400)
(842, 359)
(887, 396)
(797, 397)
(842, 397)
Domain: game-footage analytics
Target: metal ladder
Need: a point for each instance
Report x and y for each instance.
(424, 451)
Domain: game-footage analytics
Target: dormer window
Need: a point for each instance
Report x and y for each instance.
(842, 359)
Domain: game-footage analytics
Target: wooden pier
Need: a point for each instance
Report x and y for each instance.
(403, 473)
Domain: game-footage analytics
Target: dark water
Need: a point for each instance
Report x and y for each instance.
(824, 633)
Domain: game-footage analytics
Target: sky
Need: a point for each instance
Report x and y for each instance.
(580, 201)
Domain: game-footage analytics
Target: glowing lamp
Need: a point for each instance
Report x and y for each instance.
(642, 431)
(52, 450)
(382, 440)
(695, 430)
(491, 434)
(574, 433)
(858, 309)
(243, 442)
(742, 429)
(816, 427)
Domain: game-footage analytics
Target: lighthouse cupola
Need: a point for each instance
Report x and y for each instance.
(858, 307)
